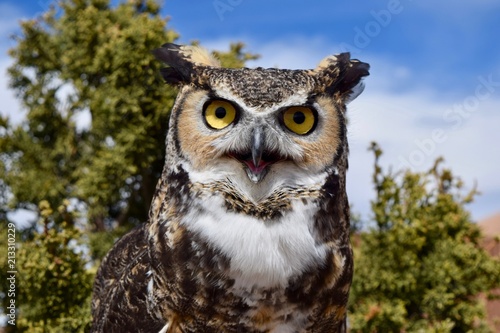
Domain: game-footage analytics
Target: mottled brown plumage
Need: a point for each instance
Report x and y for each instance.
(249, 227)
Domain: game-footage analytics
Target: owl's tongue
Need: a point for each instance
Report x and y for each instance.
(256, 169)
(256, 173)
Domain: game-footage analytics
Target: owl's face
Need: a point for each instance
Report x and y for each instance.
(259, 129)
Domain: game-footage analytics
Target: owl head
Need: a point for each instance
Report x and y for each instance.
(258, 129)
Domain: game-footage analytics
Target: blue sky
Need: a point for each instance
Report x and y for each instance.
(434, 88)
(448, 43)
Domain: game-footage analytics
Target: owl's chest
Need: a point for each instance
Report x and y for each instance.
(221, 271)
(199, 296)
(260, 253)
(213, 304)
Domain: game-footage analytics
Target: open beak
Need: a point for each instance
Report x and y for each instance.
(258, 160)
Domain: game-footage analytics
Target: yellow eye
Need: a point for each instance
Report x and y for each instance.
(219, 114)
(299, 119)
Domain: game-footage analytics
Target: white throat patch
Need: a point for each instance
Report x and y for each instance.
(262, 254)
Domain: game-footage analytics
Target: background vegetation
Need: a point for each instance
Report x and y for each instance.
(419, 267)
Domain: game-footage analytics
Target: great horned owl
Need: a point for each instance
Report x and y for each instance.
(249, 227)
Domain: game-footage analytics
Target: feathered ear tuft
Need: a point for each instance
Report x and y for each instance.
(341, 75)
(184, 60)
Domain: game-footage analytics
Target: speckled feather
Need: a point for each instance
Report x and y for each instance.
(221, 253)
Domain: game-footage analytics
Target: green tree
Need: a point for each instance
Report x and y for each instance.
(421, 267)
(83, 58)
(54, 287)
(87, 58)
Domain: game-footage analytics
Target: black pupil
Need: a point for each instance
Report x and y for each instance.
(220, 112)
(299, 117)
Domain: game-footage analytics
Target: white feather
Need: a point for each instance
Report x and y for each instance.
(150, 285)
(262, 254)
(279, 175)
(164, 329)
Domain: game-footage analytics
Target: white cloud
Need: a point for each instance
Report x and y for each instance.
(9, 23)
(22, 217)
(295, 52)
(10, 106)
(403, 124)
(305, 53)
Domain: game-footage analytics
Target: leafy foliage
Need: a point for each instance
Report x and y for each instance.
(54, 285)
(91, 61)
(421, 267)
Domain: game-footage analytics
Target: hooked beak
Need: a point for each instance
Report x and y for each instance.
(258, 159)
(257, 146)
(257, 169)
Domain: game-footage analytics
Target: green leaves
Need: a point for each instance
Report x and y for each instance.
(421, 268)
(54, 286)
(96, 59)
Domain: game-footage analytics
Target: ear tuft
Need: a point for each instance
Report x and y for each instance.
(339, 74)
(183, 61)
(351, 85)
(199, 56)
